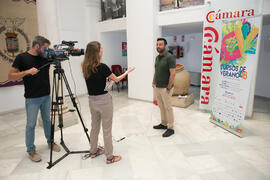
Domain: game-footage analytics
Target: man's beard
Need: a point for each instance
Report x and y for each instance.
(160, 50)
(39, 53)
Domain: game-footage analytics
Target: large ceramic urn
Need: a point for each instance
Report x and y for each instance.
(181, 81)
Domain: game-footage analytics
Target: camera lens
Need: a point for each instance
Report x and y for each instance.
(77, 52)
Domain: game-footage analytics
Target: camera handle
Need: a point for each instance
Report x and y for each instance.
(47, 64)
(41, 67)
(56, 108)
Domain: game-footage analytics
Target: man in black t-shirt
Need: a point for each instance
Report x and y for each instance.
(37, 92)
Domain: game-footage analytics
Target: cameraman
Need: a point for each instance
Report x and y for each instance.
(37, 92)
(100, 101)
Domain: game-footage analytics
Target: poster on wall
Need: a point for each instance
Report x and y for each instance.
(124, 48)
(177, 51)
(112, 9)
(230, 54)
(17, 29)
(175, 4)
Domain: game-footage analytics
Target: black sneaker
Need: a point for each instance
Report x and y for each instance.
(160, 126)
(168, 133)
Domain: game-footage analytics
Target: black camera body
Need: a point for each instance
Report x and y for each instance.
(60, 53)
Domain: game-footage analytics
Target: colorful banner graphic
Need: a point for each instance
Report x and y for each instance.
(237, 61)
(230, 53)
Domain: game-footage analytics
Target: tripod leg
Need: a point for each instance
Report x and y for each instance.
(57, 102)
(75, 105)
(53, 111)
(60, 102)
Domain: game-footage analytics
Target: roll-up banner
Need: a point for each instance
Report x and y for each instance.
(230, 54)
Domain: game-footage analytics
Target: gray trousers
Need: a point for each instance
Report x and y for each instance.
(101, 108)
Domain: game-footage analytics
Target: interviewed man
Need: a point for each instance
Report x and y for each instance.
(37, 92)
(163, 79)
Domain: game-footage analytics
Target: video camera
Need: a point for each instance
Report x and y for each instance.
(60, 53)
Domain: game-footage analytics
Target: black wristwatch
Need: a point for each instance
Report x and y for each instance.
(169, 88)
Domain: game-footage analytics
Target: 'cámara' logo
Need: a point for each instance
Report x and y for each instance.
(213, 15)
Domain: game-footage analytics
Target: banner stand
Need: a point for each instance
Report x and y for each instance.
(227, 129)
(231, 43)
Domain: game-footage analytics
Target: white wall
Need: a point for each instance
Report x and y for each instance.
(112, 48)
(78, 21)
(185, 15)
(92, 17)
(192, 59)
(113, 25)
(266, 6)
(142, 31)
(11, 98)
(263, 73)
(72, 27)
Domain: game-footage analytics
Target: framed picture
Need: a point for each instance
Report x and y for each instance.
(176, 51)
(175, 4)
(112, 9)
(124, 48)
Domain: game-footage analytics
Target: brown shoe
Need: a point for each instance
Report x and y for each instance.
(98, 153)
(56, 148)
(113, 159)
(35, 157)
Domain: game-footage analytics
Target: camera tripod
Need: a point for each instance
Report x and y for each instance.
(56, 108)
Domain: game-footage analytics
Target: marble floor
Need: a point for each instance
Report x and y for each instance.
(199, 150)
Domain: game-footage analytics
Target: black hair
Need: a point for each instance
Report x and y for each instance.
(162, 39)
(40, 40)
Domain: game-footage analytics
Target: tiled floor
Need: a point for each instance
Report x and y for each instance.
(198, 151)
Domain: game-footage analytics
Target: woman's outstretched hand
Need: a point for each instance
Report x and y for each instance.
(130, 69)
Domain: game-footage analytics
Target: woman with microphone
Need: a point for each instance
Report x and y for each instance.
(100, 101)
